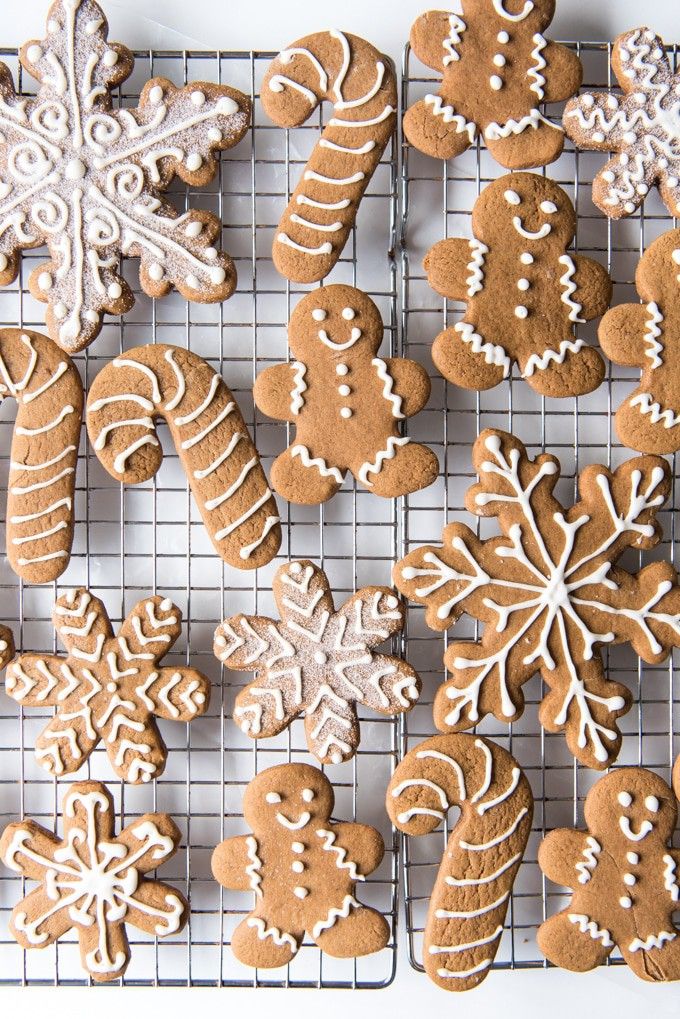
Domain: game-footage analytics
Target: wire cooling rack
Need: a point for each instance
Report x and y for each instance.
(579, 431)
(136, 540)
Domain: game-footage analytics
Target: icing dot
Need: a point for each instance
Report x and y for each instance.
(341, 369)
(629, 879)
(336, 757)
(523, 284)
(217, 275)
(348, 314)
(308, 795)
(297, 866)
(496, 83)
(220, 641)
(391, 601)
(521, 311)
(344, 390)
(503, 37)
(549, 208)
(111, 687)
(298, 847)
(3, 262)
(45, 281)
(320, 658)
(301, 892)
(110, 58)
(629, 207)
(91, 316)
(294, 568)
(191, 281)
(672, 182)
(642, 189)
(194, 228)
(34, 54)
(628, 137)
(499, 60)
(155, 94)
(210, 253)
(632, 858)
(345, 412)
(526, 258)
(155, 271)
(214, 134)
(115, 291)
(412, 691)
(625, 799)
(318, 314)
(198, 98)
(624, 159)
(512, 198)
(52, 26)
(166, 605)
(598, 136)
(60, 310)
(625, 901)
(194, 160)
(663, 163)
(652, 804)
(587, 101)
(639, 97)
(273, 798)
(608, 176)
(612, 102)
(75, 169)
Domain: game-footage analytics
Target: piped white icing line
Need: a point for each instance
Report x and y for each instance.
(475, 280)
(448, 116)
(297, 401)
(539, 362)
(652, 941)
(670, 880)
(334, 914)
(531, 235)
(587, 865)
(253, 869)
(388, 453)
(318, 462)
(279, 937)
(499, 7)
(654, 348)
(650, 408)
(493, 353)
(388, 387)
(341, 862)
(569, 289)
(538, 66)
(456, 28)
(589, 927)
(534, 119)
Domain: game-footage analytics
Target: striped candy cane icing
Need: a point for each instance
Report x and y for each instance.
(473, 887)
(350, 73)
(40, 509)
(210, 436)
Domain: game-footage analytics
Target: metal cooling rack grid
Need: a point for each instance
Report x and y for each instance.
(580, 431)
(132, 541)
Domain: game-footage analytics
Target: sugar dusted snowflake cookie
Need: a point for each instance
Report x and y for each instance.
(641, 126)
(108, 688)
(624, 876)
(303, 869)
(87, 180)
(92, 881)
(549, 593)
(317, 662)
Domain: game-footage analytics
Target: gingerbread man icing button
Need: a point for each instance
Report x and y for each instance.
(624, 876)
(497, 69)
(525, 293)
(303, 869)
(346, 403)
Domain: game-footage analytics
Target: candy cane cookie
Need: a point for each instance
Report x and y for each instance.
(360, 82)
(210, 436)
(472, 889)
(40, 492)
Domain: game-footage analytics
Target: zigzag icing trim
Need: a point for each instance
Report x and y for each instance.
(649, 407)
(652, 334)
(539, 362)
(447, 114)
(308, 461)
(493, 354)
(475, 267)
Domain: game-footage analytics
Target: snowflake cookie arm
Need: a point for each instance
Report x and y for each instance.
(176, 694)
(303, 598)
(357, 848)
(28, 849)
(236, 864)
(82, 622)
(279, 391)
(593, 287)
(454, 267)
(35, 680)
(373, 615)
(410, 389)
(149, 631)
(151, 840)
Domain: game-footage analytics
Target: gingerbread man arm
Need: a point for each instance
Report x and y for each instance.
(446, 265)
(565, 73)
(623, 334)
(363, 845)
(593, 287)
(427, 37)
(560, 854)
(411, 384)
(230, 861)
(278, 391)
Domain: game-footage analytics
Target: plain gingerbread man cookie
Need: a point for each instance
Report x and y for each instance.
(624, 879)
(345, 402)
(303, 869)
(524, 293)
(497, 69)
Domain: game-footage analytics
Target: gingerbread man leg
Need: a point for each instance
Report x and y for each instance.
(301, 478)
(570, 944)
(554, 372)
(437, 130)
(262, 943)
(360, 932)
(514, 153)
(398, 469)
(468, 360)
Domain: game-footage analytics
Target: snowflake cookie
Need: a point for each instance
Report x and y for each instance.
(641, 126)
(508, 277)
(472, 890)
(624, 876)
(317, 662)
(108, 687)
(497, 69)
(647, 336)
(548, 592)
(346, 403)
(91, 881)
(303, 869)
(87, 180)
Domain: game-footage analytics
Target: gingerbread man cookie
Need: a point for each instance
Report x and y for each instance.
(497, 69)
(303, 869)
(524, 292)
(647, 336)
(345, 402)
(641, 126)
(624, 876)
(108, 687)
(549, 591)
(92, 881)
(317, 661)
(88, 180)
(472, 890)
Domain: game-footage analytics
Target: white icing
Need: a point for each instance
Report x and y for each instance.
(654, 348)
(587, 865)
(589, 927)
(650, 408)
(456, 28)
(334, 914)
(388, 387)
(475, 280)
(355, 335)
(499, 7)
(318, 462)
(569, 288)
(448, 116)
(539, 362)
(530, 235)
(652, 941)
(297, 401)
(493, 353)
(539, 65)
(388, 453)
(534, 119)
(635, 836)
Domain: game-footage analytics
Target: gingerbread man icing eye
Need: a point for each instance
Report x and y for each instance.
(512, 198)
(273, 797)
(308, 795)
(549, 208)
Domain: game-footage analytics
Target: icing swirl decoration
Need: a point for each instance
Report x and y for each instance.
(87, 179)
(92, 881)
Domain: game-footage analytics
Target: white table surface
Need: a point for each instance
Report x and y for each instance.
(270, 24)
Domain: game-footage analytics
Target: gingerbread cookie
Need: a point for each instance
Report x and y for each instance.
(624, 876)
(211, 438)
(524, 292)
(360, 82)
(87, 180)
(108, 688)
(647, 336)
(472, 889)
(345, 402)
(640, 126)
(497, 69)
(7, 649)
(303, 869)
(317, 662)
(91, 880)
(549, 593)
(41, 486)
